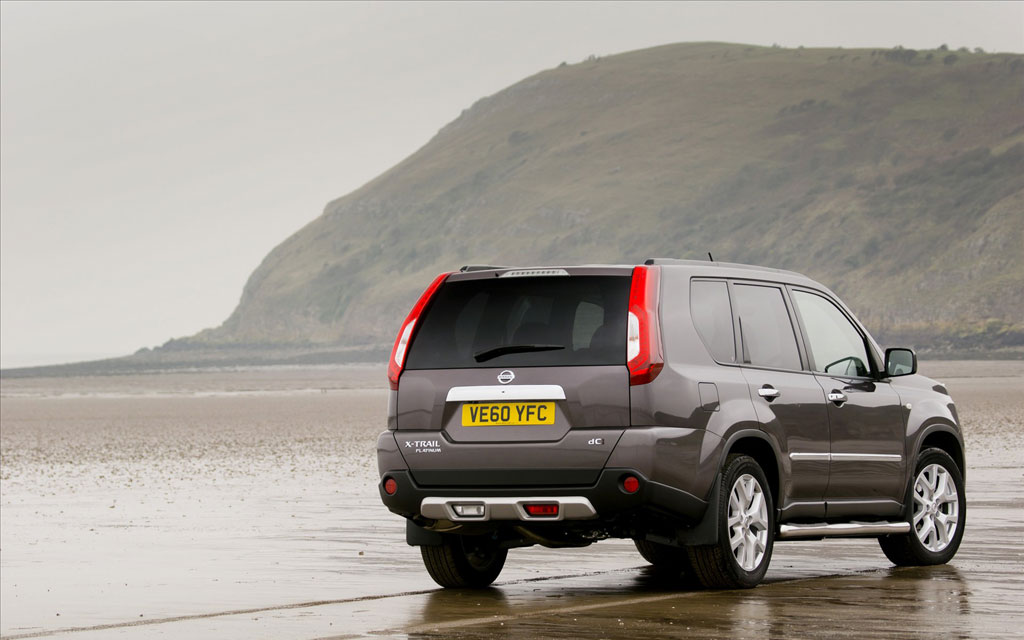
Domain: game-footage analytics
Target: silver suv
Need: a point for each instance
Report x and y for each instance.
(704, 410)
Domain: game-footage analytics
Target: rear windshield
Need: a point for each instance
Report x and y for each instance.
(524, 322)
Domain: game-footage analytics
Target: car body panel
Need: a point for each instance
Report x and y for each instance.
(797, 422)
(929, 410)
(675, 432)
(430, 455)
(595, 397)
(868, 455)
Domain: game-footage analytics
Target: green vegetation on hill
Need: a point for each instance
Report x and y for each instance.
(894, 177)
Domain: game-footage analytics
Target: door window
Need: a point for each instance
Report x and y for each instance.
(712, 316)
(766, 333)
(837, 348)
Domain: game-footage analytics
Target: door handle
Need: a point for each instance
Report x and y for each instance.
(768, 392)
(837, 397)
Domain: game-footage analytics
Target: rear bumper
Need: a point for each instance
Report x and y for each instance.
(605, 495)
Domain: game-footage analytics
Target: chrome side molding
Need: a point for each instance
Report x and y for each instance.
(810, 457)
(848, 529)
(845, 457)
(867, 457)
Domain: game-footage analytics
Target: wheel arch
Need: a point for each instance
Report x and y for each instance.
(758, 446)
(940, 437)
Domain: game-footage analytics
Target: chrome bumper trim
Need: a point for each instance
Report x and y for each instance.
(569, 508)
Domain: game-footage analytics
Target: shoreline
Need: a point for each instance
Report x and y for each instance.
(245, 358)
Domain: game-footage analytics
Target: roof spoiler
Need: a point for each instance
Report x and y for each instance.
(479, 267)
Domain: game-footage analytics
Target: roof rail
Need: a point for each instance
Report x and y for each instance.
(650, 261)
(479, 267)
(731, 265)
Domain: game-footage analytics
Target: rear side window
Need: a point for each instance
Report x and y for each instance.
(712, 316)
(524, 322)
(766, 332)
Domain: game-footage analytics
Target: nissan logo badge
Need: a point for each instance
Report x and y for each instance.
(506, 377)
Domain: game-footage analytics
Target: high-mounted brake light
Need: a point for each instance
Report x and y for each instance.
(405, 334)
(643, 329)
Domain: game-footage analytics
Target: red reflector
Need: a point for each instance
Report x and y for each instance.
(630, 484)
(542, 509)
(643, 330)
(390, 486)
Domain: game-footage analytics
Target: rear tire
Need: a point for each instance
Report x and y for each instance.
(937, 511)
(668, 562)
(662, 556)
(464, 561)
(746, 533)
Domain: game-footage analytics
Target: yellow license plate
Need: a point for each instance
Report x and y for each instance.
(508, 413)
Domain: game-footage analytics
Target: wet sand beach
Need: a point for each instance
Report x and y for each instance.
(243, 503)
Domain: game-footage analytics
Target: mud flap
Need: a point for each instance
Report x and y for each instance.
(706, 531)
(417, 536)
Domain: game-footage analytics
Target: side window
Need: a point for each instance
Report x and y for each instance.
(766, 333)
(712, 316)
(836, 345)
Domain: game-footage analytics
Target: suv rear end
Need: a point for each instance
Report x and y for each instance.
(510, 391)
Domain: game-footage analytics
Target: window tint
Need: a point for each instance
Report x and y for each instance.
(589, 318)
(767, 336)
(525, 322)
(712, 316)
(836, 346)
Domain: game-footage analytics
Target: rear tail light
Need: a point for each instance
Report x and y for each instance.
(405, 334)
(643, 330)
(543, 510)
(390, 486)
(630, 484)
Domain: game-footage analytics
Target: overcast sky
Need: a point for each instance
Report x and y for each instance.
(151, 154)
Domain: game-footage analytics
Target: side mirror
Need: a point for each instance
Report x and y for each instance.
(900, 362)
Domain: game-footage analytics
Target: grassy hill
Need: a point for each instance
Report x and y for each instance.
(895, 177)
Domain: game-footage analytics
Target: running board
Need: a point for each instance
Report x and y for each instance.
(849, 529)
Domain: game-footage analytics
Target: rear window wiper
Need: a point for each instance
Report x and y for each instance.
(494, 352)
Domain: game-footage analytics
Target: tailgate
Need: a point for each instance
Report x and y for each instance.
(539, 405)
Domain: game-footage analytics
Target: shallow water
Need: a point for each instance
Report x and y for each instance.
(242, 503)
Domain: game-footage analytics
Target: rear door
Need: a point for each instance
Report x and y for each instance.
(789, 402)
(866, 474)
(516, 371)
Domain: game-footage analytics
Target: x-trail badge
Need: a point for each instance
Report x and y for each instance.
(506, 377)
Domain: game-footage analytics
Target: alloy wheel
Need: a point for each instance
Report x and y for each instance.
(747, 522)
(936, 507)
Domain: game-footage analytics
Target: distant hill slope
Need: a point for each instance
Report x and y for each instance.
(895, 177)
